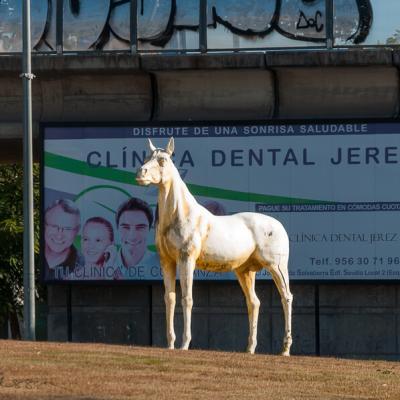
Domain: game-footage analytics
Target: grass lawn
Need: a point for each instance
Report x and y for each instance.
(40, 370)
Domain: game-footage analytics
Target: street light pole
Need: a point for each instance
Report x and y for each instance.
(29, 272)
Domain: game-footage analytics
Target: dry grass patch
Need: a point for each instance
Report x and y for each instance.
(96, 371)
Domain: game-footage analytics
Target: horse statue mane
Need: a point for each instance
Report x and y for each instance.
(188, 236)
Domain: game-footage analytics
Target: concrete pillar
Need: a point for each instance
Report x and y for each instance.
(214, 95)
(79, 98)
(340, 92)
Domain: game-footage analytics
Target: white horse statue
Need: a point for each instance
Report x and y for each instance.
(189, 236)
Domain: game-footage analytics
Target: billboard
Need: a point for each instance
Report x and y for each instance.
(334, 186)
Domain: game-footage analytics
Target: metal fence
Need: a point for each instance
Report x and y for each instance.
(185, 26)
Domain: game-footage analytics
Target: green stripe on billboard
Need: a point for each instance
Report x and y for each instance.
(62, 163)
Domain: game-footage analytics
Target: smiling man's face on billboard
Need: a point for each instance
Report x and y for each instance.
(133, 229)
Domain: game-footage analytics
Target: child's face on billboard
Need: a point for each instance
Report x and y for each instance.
(95, 240)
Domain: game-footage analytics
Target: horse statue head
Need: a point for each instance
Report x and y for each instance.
(158, 168)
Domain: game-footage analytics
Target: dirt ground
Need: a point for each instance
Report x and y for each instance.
(30, 370)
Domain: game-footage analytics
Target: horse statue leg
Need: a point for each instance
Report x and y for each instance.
(186, 267)
(280, 275)
(247, 280)
(169, 274)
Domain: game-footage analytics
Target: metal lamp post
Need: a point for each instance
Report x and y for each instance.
(29, 272)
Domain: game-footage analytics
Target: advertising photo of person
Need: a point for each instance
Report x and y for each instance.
(98, 250)
(61, 226)
(134, 219)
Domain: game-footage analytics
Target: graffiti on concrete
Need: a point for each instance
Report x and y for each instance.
(11, 23)
(263, 18)
(345, 29)
(105, 24)
(305, 23)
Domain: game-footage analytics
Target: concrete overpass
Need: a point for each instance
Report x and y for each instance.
(275, 85)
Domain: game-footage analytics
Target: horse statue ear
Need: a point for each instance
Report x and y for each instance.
(170, 146)
(152, 147)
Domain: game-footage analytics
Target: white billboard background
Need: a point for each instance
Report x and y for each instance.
(335, 187)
